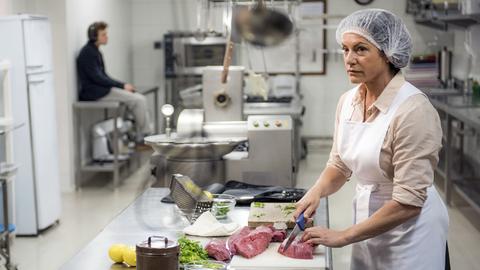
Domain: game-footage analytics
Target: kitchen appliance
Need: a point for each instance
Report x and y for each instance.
(263, 26)
(205, 151)
(203, 147)
(102, 139)
(216, 110)
(158, 252)
(199, 158)
(290, 106)
(37, 187)
(187, 55)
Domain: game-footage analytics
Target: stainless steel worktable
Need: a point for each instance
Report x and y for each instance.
(465, 111)
(147, 216)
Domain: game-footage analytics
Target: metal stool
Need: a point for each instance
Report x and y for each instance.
(114, 167)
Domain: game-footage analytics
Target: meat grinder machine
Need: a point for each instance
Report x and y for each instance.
(214, 144)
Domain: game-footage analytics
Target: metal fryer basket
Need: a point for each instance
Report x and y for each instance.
(189, 197)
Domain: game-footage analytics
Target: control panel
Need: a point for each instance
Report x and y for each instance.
(269, 122)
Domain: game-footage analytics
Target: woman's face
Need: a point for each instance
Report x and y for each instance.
(363, 61)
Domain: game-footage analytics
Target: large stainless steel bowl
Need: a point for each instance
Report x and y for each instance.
(197, 148)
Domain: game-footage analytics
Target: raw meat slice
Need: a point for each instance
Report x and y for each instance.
(279, 235)
(255, 242)
(297, 250)
(218, 250)
(236, 237)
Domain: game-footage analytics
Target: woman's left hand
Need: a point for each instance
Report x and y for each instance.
(324, 236)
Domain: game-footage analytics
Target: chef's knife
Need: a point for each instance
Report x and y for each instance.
(299, 227)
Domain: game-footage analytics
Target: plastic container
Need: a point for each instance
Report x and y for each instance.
(157, 252)
(205, 265)
(222, 205)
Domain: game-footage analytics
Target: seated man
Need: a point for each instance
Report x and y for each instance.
(95, 84)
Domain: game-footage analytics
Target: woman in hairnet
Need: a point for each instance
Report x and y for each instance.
(388, 135)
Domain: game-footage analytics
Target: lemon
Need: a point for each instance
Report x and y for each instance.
(115, 252)
(208, 194)
(129, 256)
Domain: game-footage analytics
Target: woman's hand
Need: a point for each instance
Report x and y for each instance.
(326, 237)
(328, 183)
(309, 203)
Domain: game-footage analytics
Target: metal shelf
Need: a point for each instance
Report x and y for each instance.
(443, 22)
(432, 23)
(460, 20)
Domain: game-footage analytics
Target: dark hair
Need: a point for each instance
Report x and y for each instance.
(93, 29)
(393, 69)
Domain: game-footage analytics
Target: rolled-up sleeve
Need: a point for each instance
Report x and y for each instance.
(334, 159)
(417, 138)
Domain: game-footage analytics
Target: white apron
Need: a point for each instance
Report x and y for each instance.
(418, 243)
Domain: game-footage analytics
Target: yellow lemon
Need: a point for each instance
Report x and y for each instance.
(208, 194)
(129, 256)
(115, 252)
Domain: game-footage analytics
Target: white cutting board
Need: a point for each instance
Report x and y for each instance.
(271, 259)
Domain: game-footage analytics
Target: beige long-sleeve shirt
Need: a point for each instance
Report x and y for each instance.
(409, 153)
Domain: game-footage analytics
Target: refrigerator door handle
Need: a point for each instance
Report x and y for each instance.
(36, 81)
(34, 66)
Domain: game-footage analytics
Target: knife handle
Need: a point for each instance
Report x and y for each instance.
(301, 221)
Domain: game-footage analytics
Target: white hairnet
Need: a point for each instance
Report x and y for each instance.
(383, 29)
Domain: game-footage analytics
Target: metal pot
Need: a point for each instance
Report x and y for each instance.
(262, 26)
(157, 252)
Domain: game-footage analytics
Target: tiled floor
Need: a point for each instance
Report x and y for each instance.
(85, 213)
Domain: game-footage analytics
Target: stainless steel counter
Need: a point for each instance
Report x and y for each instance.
(147, 216)
(465, 109)
(461, 113)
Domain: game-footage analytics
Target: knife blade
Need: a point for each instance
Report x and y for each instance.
(299, 227)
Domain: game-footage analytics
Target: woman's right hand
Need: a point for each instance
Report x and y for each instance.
(308, 204)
